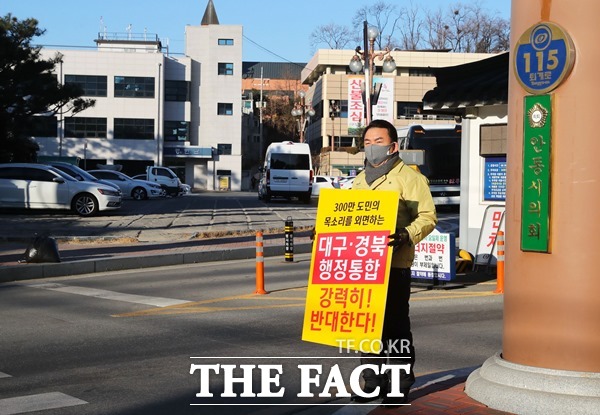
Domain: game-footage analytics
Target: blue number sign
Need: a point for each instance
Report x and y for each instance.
(544, 57)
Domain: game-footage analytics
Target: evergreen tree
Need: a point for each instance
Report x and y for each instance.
(28, 88)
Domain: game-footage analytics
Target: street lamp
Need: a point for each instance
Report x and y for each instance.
(303, 112)
(334, 111)
(369, 54)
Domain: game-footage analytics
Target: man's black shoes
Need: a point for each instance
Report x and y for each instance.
(391, 402)
(388, 401)
(369, 390)
(362, 399)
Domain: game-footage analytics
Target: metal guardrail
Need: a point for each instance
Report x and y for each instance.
(136, 37)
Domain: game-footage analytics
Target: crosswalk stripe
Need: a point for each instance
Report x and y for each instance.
(40, 402)
(109, 295)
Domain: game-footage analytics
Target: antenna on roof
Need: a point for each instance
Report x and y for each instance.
(102, 30)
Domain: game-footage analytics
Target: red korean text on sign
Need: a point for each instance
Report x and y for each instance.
(342, 321)
(351, 258)
(495, 227)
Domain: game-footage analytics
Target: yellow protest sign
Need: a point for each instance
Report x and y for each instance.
(349, 269)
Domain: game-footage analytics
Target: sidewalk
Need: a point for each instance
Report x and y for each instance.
(445, 397)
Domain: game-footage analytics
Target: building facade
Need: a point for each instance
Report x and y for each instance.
(264, 86)
(331, 84)
(153, 108)
(196, 112)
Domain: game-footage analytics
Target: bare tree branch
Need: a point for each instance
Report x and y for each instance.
(411, 27)
(383, 16)
(332, 35)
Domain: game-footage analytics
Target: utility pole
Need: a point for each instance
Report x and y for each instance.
(260, 123)
(260, 111)
(333, 112)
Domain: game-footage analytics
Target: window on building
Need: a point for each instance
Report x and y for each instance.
(225, 68)
(223, 172)
(133, 167)
(492, 140)
(177, 91)
(177, 131)
(224, 108)
(224, 149)
(134, 128)
(92, 85)
(318, 108)
(344, 141)
(407, 109)
(225, 42)
(343, 106)
(85, 127)
(134, 87)
(42, 126)
(414, 71)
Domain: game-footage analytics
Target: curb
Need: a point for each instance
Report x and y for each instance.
(89, 266)
(275, 231)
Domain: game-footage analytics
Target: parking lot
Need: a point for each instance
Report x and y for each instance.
(164, 219)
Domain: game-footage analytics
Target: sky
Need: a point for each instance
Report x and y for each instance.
(274, 30)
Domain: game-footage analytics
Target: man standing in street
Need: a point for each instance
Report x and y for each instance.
(416, 218)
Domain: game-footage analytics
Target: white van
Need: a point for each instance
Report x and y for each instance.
(287, 172)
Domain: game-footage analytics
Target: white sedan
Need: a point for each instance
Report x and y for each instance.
(324, 182)
(346, 182)
(38, 186)
(136, 189)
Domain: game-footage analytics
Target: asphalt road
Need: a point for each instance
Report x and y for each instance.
(123, 343)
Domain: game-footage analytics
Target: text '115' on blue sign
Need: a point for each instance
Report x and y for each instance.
(544, 57)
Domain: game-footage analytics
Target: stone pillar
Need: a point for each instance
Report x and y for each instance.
(550, 360)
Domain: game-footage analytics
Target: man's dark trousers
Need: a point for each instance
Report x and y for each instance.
(396, 332)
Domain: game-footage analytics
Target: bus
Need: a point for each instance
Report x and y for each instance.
(441, 162)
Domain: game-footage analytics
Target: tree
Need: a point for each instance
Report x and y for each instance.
(467, 28)
(459, 28)
(382, 15)
(333, 35)
(29, 88)
(411, 27)
(278, 117)
(437, 31)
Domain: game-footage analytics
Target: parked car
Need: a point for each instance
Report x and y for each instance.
(184, 189)
(346, 182)
(136, 189)
(39, 186)
(324, 182)
(80, 174)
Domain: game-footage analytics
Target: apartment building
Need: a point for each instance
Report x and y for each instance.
(153, 108)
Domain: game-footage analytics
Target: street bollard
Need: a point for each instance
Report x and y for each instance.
(260, 265)
(289, 240)
(500, 263)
